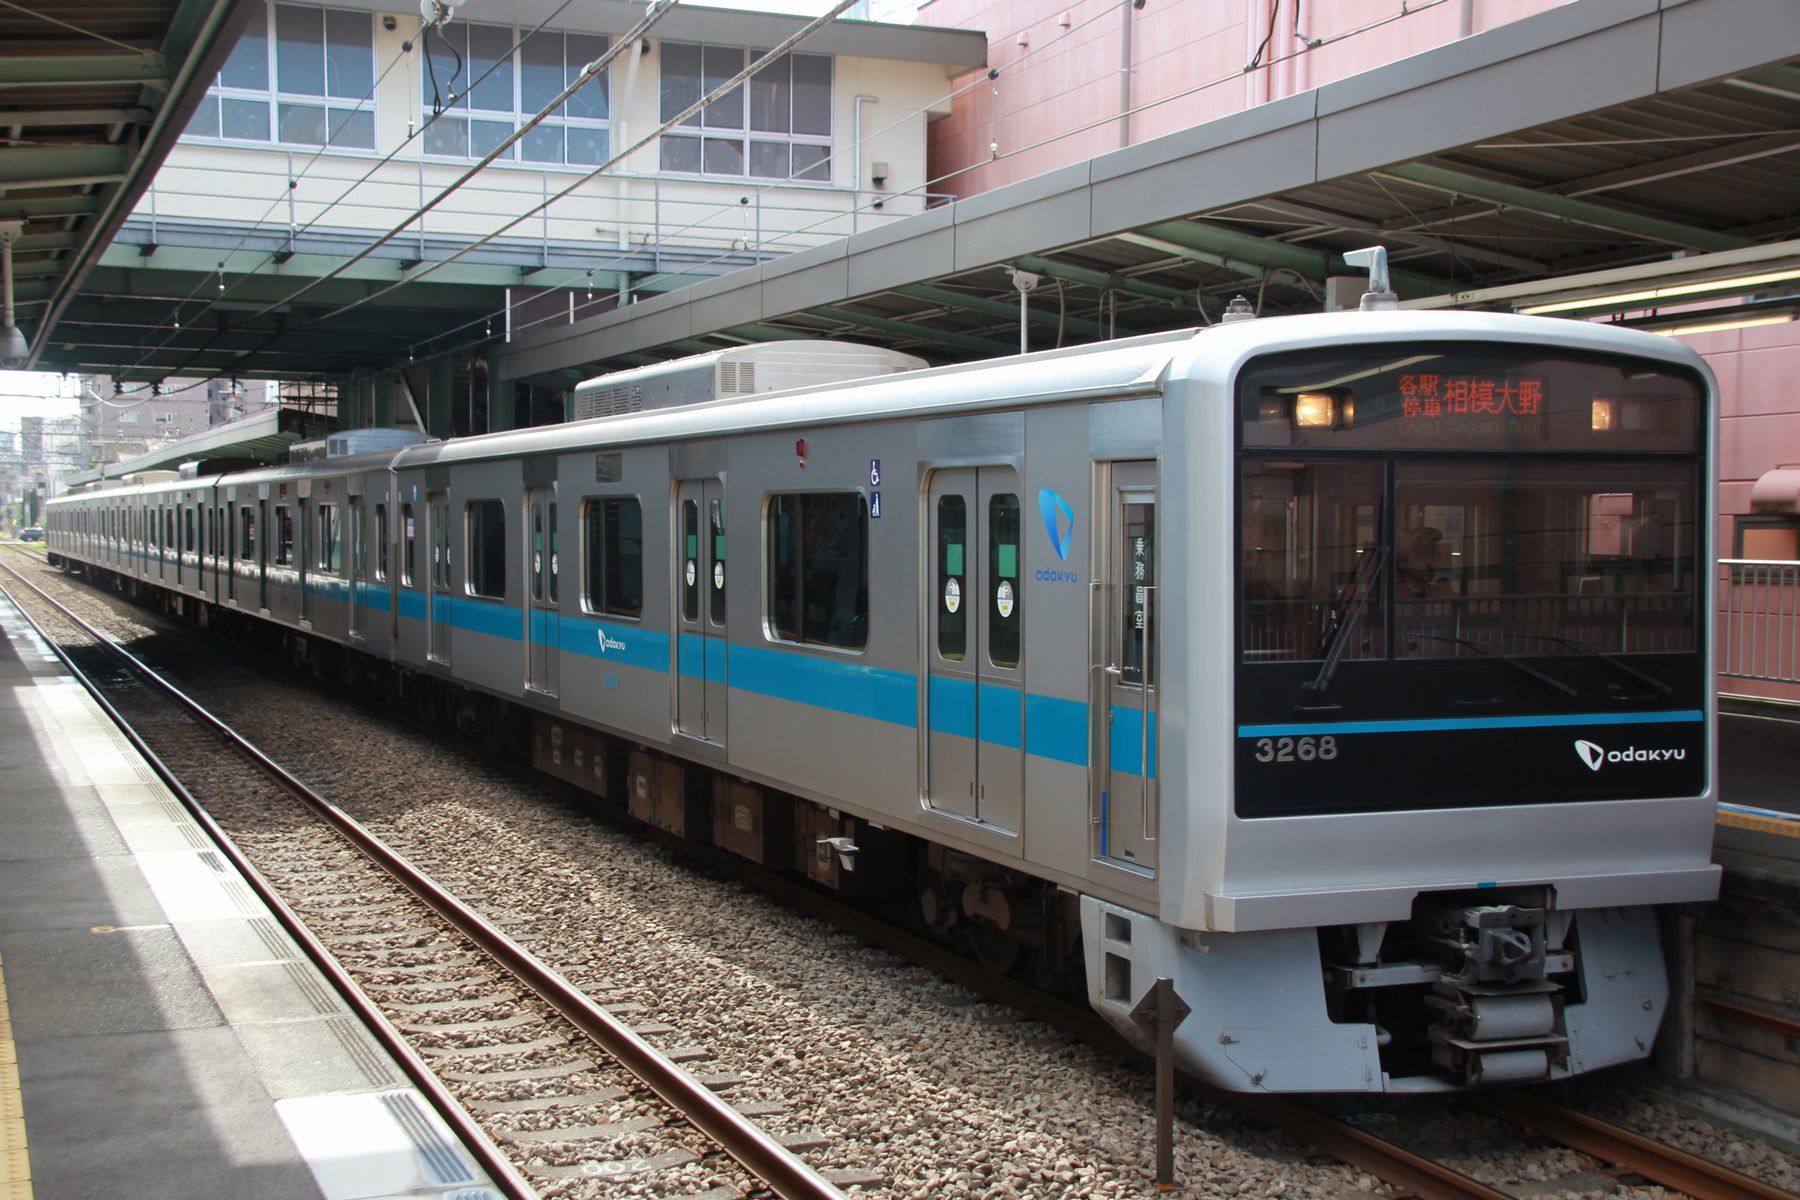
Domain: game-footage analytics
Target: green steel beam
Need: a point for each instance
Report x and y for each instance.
(41, 118)
(44, 241)
(1106, 281)
(61, 166)
(907, 329)
(301, 267)
(1580, 212)
(45, 209)
(86, 70)
(755, 332)
(1254, 256)
(1039, 312)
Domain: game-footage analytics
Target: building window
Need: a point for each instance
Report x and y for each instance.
(313, 79)
(485, 523)
(129, 418)
(613, 532)
(520, 84)
(780, 130)
(163, 418)
(818, 569)
(1768, 538)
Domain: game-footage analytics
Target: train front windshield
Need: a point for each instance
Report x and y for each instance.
(1467, 575)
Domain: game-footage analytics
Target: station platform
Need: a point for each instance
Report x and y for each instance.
(160, 1034)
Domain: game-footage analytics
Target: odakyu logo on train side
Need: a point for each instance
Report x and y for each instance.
(608, 642)
(1059, 526)
(1596, 756)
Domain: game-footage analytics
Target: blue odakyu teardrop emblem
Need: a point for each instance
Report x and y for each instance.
(1059, 521)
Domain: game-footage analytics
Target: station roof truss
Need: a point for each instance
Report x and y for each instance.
(1591, 147)
(93, 94)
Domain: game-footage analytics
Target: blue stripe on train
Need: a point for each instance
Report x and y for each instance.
(1044, 726)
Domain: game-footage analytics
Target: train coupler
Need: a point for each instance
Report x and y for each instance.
(1500, 1016)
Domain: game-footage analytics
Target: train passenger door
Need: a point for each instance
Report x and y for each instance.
(359, 566)
(543, 635)
(701, 679)
(437, 633)
(975, 698)
(1125, 711)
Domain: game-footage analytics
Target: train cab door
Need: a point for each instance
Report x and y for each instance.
(1126, 613)
(359, 568)
(701, 587)
(437, 609)
(975, 698)
(543, 632)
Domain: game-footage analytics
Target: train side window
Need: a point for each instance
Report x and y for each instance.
(553, 587)
(817, 564)
(484, 522)
(1006, 612)
(613, 533)
(953, 578)
(381, 543)
(330, 557)
(1137, 637)
(247, 547)
(188, 543)
(690, 557)
(409, 553)
(537, 552)
(717, 590)
(284, 534)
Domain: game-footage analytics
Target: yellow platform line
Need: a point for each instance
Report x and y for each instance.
(1772, 825)
(15, 1162)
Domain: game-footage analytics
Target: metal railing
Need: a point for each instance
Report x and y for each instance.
(1759, 619)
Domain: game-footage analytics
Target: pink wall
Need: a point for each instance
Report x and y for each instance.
(1057, 99)
(1759, 428)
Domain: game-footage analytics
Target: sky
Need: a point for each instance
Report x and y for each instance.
(36, 394)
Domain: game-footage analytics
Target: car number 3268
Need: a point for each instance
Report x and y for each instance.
(1289, 749)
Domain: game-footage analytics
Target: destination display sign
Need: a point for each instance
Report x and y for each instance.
(1470, 407)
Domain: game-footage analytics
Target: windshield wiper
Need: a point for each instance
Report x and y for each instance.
(1488, 651)
(1649, 681)
(1338, 637)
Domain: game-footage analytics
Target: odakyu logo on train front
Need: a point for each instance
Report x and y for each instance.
(1596, 756)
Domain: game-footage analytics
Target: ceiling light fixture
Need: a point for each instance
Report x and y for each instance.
(1670, 291)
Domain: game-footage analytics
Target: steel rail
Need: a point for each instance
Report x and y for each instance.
(1411, 1173)
(761, 1155)
(1783, 1023)
(504, 1175)
(1687, 1173)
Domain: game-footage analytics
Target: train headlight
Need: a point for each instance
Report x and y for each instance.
(1315, 410)
(1605, 414)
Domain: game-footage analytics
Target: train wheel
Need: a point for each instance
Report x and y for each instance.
(994, 948)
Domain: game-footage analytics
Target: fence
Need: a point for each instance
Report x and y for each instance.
(1759, 619)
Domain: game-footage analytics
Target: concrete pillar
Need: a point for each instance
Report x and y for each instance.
(437, 399)
(385, 398)
(502, 407)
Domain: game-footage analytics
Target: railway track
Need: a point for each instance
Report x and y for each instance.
(1405, 1172)
(562, 1081)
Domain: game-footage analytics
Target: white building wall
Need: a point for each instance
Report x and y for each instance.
(634, 205)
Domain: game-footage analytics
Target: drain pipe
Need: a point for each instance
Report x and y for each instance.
(1125, 11)
(856, 184)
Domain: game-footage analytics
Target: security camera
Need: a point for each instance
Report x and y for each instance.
(390, 24)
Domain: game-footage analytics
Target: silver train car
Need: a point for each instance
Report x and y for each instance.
(1352, 671)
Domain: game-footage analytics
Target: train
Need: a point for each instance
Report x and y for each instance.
(1351, 671)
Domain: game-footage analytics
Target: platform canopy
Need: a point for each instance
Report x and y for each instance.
(93, 94)
(1575, 161)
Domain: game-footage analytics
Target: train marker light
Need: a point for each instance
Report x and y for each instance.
(1605, 414)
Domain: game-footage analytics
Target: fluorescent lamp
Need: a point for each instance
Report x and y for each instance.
(1721, 326)
(1667, 292)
